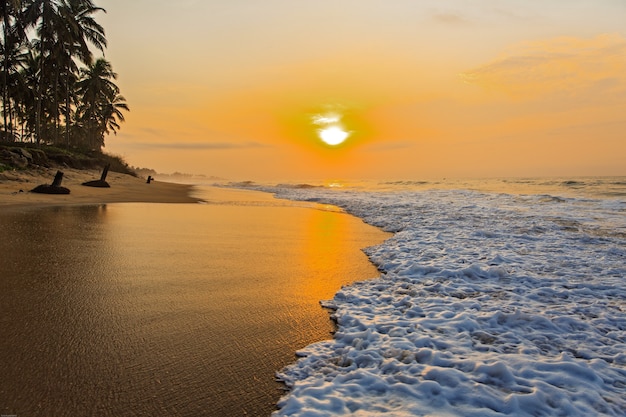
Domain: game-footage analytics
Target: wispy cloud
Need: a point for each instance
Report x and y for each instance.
(390, 146)
(148, 131)
(149, 138)
(514, 14)
(567, 66)
(450, 18)
(198, 145)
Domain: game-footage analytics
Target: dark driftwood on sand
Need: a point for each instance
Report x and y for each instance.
(102, 181)
(54, 188)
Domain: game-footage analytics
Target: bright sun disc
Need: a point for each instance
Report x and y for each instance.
(333, 135)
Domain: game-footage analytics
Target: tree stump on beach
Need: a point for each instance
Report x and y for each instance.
(102, 181)
(58, 179)
(54, 188)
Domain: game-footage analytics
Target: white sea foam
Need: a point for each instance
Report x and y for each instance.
(487, 305)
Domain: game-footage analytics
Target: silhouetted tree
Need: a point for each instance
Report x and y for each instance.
(52, 77)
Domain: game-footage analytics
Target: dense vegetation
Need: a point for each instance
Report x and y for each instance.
(54, 92)
(19, 156)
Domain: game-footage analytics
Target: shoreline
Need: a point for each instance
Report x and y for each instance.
(15, 189)
(158, 301)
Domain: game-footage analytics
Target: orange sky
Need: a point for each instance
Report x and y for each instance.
(435, 88)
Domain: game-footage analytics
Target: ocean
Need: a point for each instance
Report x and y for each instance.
(495, 297)
(488, 298)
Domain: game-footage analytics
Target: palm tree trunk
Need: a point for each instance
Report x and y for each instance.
(39, 95)
(68, 122)
(5, 89)
(57, 116)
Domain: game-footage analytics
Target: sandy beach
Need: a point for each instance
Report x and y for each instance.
(162, 309)
(15, 187)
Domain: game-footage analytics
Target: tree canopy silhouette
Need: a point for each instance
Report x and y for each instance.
(53, 90)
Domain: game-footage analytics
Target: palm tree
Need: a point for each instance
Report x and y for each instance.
(111, 114)
(65, 29)
(101, 101)
(13, 35)
(80, 30)
(42, 79)
(41, 11)
(25, 93)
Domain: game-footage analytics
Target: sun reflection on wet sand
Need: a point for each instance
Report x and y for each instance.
(328, 249)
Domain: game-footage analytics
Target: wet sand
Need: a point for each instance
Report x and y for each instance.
(164, 309)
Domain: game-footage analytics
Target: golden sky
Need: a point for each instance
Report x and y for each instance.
(423, 88)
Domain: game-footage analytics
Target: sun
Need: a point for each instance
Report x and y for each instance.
(333, 135)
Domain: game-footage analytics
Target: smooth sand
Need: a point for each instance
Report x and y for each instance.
(15, 189)
(162, 309)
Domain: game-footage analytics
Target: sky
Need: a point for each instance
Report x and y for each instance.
(244, 89)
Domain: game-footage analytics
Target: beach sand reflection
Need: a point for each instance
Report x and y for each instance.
(163, 309)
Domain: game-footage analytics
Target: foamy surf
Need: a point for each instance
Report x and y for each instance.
(488, 305)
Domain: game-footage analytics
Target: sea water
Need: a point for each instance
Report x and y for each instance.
(498, 297)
